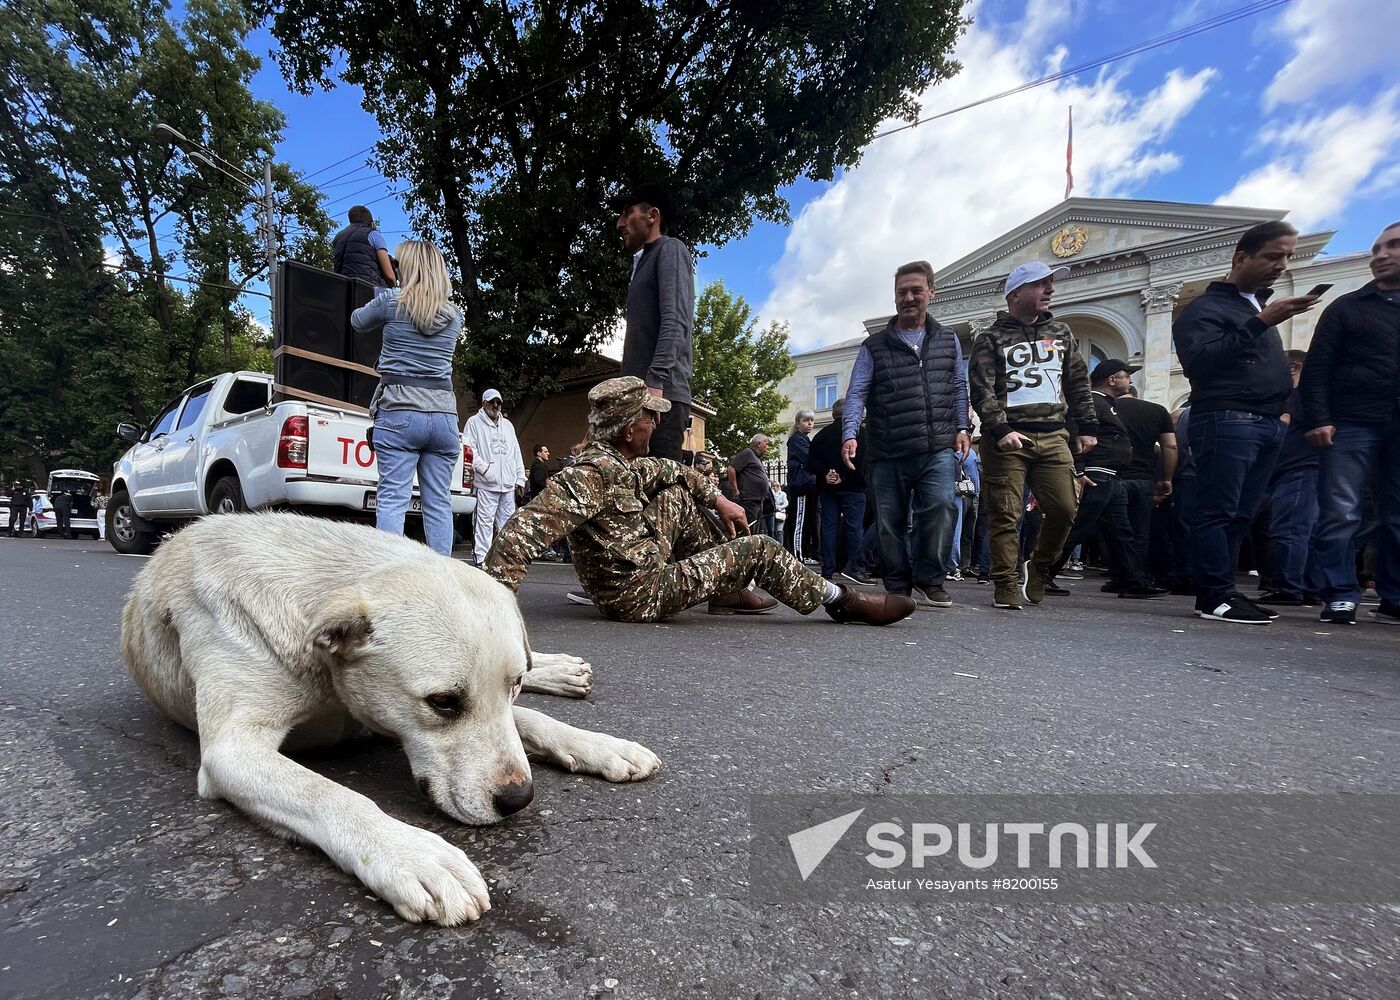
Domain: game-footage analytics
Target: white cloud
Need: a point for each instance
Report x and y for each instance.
(1333, 44)
(1319, 163)
(939, 191)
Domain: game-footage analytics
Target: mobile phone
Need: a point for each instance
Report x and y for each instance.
(1318, 290)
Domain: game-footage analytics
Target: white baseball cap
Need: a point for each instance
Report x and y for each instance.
(1031, 271)
(489, 395)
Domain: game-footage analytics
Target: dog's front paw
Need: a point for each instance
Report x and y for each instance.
(608, 757)
(422, 876)
(560, 674)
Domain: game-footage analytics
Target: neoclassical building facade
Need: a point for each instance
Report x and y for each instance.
(1133, 266)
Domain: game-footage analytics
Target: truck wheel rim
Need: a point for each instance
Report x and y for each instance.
(121, 524)
(226, 506)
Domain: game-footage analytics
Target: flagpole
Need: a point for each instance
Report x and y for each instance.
(1069, 155)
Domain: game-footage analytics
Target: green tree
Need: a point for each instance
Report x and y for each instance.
(511, 123)
(737, 369)
(101, 214)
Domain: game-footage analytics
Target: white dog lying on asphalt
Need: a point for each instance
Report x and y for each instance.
(270, 631)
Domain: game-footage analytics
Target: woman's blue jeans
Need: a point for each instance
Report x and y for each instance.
(408, 441)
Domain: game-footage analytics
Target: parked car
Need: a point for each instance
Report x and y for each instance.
(80, 487)
(225, 445)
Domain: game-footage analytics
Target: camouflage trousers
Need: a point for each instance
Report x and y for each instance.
(698, 564)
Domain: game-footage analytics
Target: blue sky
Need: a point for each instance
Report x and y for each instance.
(1295, 108)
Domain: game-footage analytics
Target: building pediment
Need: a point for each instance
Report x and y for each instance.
(1093, 229)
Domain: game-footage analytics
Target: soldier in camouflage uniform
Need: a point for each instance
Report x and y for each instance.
(642, 548)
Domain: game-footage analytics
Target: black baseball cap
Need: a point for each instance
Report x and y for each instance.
(1105, 370)
(655, 195)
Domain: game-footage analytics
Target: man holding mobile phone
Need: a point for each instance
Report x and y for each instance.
(1230, 348)
(1351, 411)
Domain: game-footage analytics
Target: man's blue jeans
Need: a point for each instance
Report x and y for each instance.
(927, 480)
(1292, 514)
(841, 512)
(409, 440)
(1235, 453)
(1359, 451)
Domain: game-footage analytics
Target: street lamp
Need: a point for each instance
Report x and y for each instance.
(207, 157)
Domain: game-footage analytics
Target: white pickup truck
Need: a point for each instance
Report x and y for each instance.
(224, 445)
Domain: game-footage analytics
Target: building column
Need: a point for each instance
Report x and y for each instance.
(1157, 353)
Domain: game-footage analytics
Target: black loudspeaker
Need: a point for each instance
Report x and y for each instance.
(315, 309)
(361, 348)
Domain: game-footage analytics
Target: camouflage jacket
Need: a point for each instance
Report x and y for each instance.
(600, 503)
(1021, 378)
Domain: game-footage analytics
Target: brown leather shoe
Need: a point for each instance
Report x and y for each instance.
(870, 607)
(742, 602)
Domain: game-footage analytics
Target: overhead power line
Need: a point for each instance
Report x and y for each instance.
(1219, 20)
(187, 279)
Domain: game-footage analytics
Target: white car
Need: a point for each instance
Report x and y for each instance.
(225, 445)
(82, 519)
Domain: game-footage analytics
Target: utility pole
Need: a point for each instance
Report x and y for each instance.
(266, 224)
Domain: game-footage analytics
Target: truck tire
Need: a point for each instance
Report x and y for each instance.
(122, 530)
(227, 497)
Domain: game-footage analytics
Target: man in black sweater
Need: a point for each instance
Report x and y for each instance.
(1229, 346)
(841, 491)
(1351, 411)
(660, 310)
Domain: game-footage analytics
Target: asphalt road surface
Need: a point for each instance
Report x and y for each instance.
(117, 881)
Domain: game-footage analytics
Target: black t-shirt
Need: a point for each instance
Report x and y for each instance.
(1145, 423)
(1295, 452)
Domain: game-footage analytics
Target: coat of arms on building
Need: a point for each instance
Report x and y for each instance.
(1069, 241)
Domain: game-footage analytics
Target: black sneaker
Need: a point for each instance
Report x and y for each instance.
(932, 597)
(1279, 598)
(1140, 593)
(1339, 613)
(984, 578)
(1257, 607)
(855, 576)
(1237, 610)
(1386, 614)
(1052, 589)
(579, 597)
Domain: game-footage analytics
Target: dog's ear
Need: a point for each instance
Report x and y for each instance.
(343, 629)
(529, 654)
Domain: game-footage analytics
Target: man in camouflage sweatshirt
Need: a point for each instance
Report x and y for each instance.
(643, 550)
(1025, 371)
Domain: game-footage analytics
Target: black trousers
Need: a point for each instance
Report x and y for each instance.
(17, 515)
(1141, 493)
(1103, 508)
(669, 439)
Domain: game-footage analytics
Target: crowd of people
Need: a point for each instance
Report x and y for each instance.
(1067, 465)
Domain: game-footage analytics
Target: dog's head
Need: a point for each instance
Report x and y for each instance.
(434, 654)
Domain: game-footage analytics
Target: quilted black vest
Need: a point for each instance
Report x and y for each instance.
(354, 257)
(909, 407)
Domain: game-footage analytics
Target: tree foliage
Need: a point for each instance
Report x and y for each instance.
(737, 369)
(512, 122)
(101, 215)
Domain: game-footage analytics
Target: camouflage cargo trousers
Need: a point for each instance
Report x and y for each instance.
(706, 565)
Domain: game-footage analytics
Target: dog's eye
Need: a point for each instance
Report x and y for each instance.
(447, 704)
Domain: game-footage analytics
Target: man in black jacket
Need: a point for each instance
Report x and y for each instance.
(1229, 346)
(1351, 410)
(660, 310)
(1103, 503)
(841, 491)
(910, 384)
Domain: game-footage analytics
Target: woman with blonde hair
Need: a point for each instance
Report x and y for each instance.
(414, 409)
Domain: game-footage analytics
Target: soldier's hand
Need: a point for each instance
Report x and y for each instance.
(732, 516)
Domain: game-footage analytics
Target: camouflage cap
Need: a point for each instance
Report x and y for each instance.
(622, 398)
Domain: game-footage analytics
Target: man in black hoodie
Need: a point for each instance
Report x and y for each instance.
(1351, 413)
(1229, 346)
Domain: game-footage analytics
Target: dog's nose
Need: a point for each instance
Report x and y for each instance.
(513, 797)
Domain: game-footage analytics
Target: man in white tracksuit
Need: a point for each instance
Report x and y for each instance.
(498, 467)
